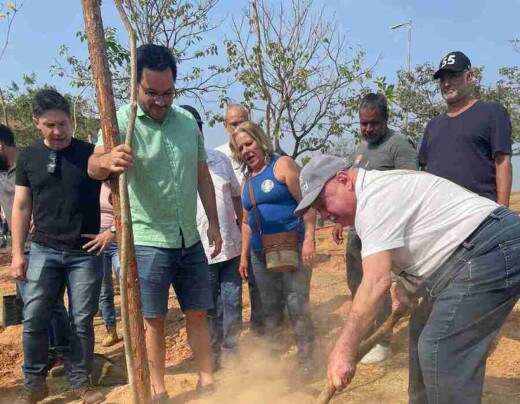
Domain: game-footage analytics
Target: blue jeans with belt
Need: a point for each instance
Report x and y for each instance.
(110, 261)
(467, 301)
(48, 272)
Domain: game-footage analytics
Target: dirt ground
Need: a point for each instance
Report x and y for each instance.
(260, 379)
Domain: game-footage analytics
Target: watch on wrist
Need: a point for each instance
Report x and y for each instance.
(113, 229)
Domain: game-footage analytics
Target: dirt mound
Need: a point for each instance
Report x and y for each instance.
(11, 355)
(259, 377)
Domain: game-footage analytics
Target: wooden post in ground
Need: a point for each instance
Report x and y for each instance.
(135, 349)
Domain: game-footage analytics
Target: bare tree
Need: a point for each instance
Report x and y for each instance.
(183, 26)
(294, 67)
(8, 13)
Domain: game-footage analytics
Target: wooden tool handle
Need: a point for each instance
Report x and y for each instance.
(328, 391)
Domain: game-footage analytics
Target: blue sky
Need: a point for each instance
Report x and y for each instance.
(480, 28)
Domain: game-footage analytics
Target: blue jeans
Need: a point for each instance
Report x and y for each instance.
(467, 301)
(278, 289)
(59, 328)
(225, 319)
(110, 261)
(186, 269)
(48, 273)
(255, 301)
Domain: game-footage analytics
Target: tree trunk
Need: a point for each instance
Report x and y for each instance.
(138, 374)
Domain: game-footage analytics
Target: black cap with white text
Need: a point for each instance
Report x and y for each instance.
(453, 62)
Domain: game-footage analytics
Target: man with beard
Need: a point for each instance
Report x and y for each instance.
(166, 167)
(380, 149)
(470, 144)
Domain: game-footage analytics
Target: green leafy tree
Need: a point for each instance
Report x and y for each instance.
(19, 109)
(507, 92)
(294, 68)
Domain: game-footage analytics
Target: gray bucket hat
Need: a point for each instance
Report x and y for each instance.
(314, 176)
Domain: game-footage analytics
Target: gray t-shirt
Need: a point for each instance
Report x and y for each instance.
(392, 152)
(7, 192)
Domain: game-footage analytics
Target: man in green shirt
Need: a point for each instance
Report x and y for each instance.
(166, 167)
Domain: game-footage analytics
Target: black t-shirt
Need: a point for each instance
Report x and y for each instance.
(462, 149)
(65, 203)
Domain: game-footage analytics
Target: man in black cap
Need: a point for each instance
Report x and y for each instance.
(470, 144)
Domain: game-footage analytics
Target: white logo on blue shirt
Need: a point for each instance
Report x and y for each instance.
(267, 186)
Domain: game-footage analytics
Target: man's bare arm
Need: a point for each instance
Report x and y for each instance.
(237, 206)
(243, 268)
(207, 197)
(207, 192)
(21, 219)
(504, 177)
(374, 285)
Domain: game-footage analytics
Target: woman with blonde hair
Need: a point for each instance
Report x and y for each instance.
(280, 245)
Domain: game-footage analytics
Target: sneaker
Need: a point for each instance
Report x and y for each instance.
(88, 395)
(378, 353)
(57, 371)
(32, 396)
(55, 367)
(111, 338)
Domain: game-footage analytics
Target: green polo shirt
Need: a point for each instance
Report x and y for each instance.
(162, 183)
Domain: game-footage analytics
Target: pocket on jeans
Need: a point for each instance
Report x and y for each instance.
(488, 272)
(511, 252)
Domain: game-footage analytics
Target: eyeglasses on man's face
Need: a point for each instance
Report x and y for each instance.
(166, 96)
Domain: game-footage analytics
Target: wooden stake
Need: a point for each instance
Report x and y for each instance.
(135, 348)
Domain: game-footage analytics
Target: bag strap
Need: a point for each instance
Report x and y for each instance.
(253, 202)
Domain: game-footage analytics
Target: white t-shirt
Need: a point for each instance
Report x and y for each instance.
(226, 186)
(423, 218)
(224, 148)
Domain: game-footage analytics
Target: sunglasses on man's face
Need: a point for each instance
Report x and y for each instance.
(51, 165)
